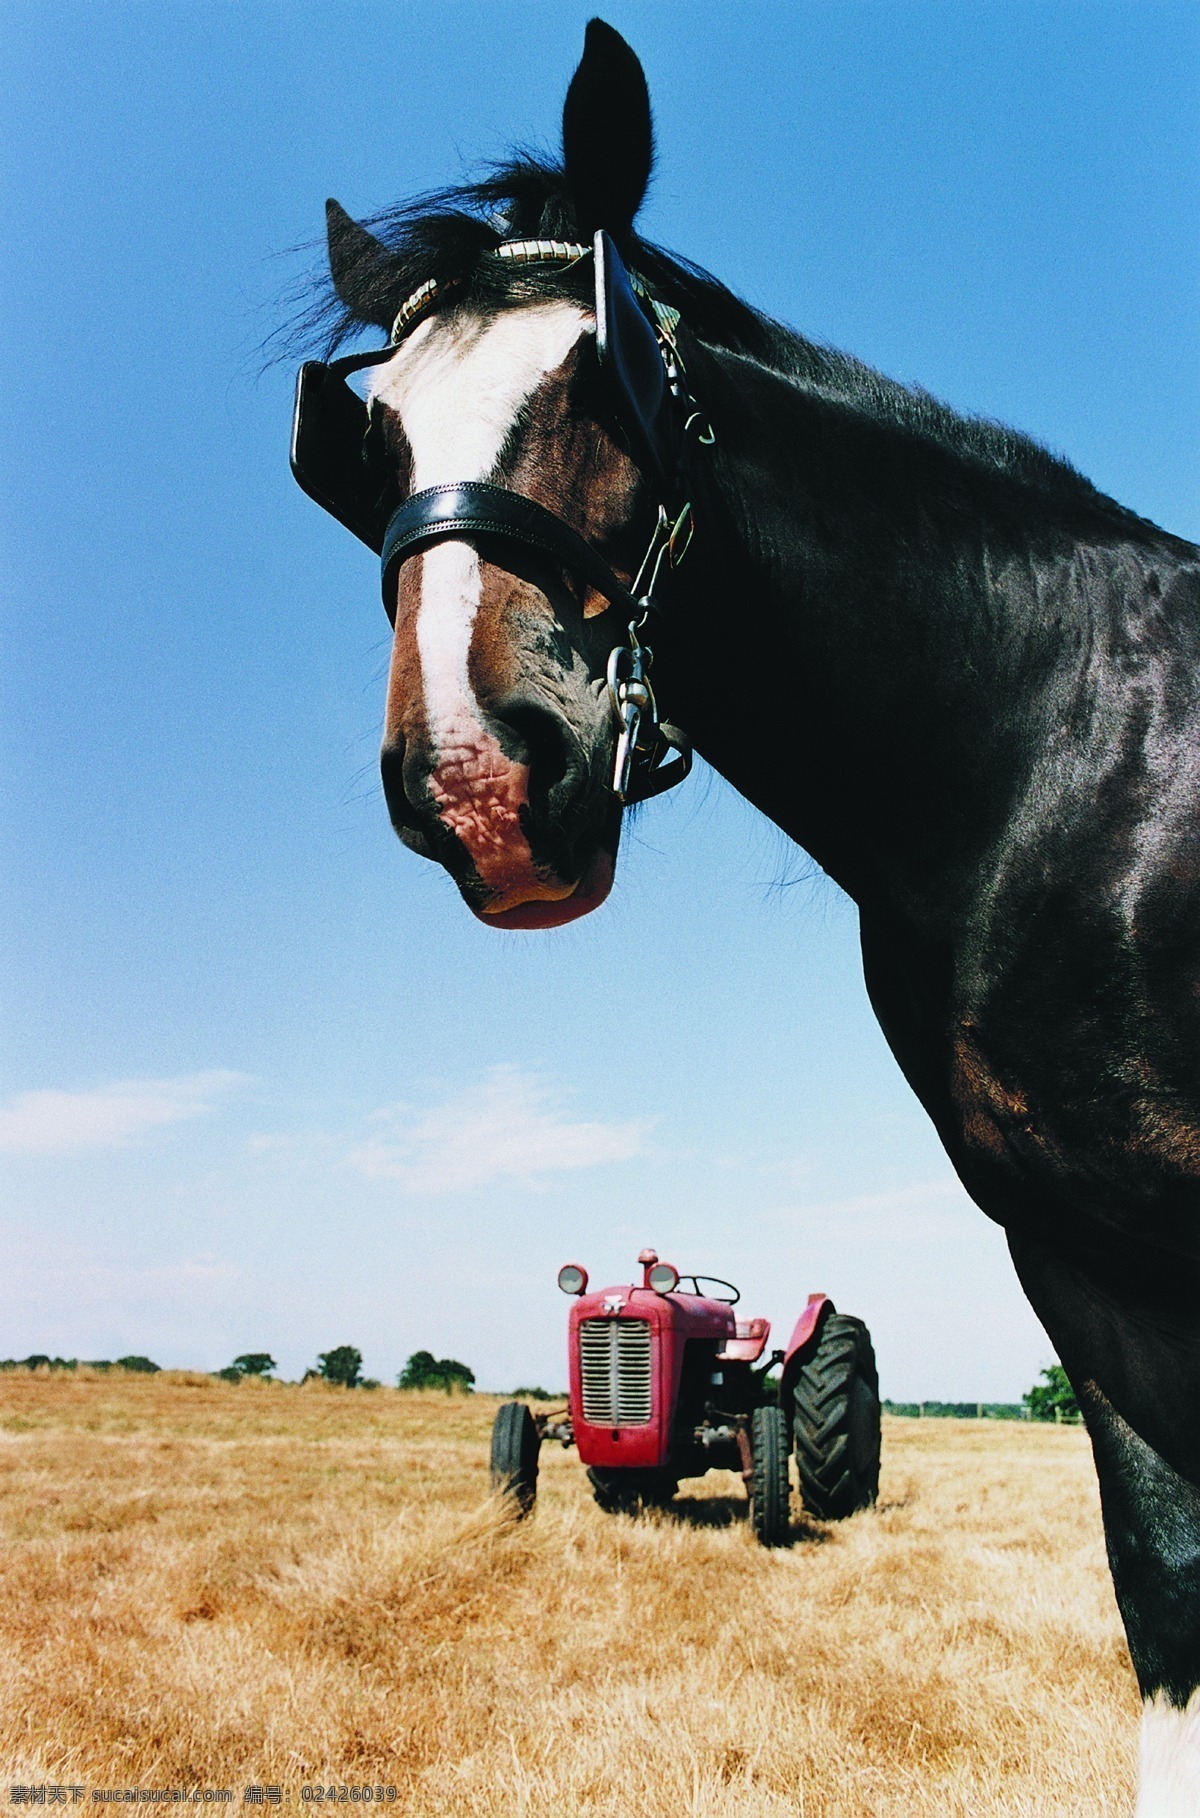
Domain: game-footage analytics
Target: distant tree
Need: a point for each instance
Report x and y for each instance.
(1053, 1398)
(425, 1371)
(141, 1364)
(343, 1364)
(419, 1372)
(254, 1363)
(535, 1395)
(229, 1374)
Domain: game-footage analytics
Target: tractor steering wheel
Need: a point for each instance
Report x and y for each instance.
(731, 1299)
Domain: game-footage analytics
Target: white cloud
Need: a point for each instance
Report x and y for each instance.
(509, 1127)
(108, 1117)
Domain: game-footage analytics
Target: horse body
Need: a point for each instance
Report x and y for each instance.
(982, 715)
(962, 679)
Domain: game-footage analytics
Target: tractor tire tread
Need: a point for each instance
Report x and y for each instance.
(770, 1490)
(836, 1421)
(514, 1458)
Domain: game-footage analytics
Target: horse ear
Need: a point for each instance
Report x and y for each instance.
(608, 139)
(358, 264)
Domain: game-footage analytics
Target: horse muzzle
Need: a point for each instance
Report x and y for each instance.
(517, 810)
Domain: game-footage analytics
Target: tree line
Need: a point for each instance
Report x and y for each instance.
(1051, 1398)
(142, 1366)
(341, 1365)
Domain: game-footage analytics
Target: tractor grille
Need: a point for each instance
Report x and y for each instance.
(614, 1360)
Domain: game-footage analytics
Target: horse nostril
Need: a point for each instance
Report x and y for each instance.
(391, 771)
(543, 741)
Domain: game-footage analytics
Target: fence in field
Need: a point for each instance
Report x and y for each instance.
(970, 1410)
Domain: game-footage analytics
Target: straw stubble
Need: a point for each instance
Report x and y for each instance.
(227, 1585)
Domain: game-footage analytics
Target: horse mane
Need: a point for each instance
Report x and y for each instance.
(444, 234)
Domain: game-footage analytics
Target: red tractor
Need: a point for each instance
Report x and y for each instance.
(666, 1383)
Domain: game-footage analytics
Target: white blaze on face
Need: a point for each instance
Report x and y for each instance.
(457, 385)
(1169, 1761)
(457, 388)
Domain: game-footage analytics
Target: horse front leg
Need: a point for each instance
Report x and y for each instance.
(1151, 1507)
(1152, 1530)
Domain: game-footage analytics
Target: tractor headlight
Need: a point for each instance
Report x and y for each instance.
(663, 1278)
(572, 1279)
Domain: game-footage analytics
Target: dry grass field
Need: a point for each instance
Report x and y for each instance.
(206, 1584)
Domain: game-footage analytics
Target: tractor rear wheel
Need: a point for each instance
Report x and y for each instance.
(769, 1490)
(836, 1421)
(626, 1492)
(515, 1446)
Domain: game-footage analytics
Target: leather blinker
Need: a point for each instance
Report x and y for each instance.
(337, 456)
(632, 363)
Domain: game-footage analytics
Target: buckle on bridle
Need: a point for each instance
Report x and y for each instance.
(639, 771)
(636, 709)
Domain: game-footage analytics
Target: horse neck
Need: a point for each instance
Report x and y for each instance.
(876, 632)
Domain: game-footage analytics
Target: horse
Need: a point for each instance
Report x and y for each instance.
(621, 513)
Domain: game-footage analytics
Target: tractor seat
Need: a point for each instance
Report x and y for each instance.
(748, 1344)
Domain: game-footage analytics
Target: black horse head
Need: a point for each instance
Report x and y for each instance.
(521, 444)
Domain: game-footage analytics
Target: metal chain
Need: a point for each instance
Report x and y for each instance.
(628, 677)
(642, 735)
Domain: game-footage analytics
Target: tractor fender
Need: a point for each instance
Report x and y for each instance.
(803, 1342)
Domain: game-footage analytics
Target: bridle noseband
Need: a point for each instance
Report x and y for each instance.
(336, 461)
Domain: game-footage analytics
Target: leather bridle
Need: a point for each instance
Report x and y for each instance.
(334, 460)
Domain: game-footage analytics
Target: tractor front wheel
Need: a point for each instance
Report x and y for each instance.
(627, 1492)
(836, 1421)
(515, 1446)
(769, 1490)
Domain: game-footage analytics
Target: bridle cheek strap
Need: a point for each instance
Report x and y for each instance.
(471, 509)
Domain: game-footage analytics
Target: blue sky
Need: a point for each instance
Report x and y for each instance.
(264, 1083)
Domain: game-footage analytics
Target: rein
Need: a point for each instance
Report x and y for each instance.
(635, 336)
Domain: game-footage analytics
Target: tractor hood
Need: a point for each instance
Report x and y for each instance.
(625, 1355)
(692, 1315)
